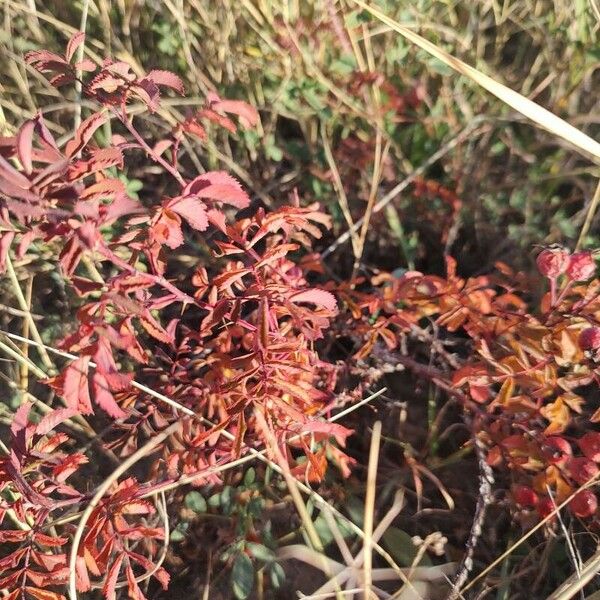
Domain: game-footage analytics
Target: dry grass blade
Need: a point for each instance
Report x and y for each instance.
(533, 111)
(589, 217)
(370, 509)
(578, 581)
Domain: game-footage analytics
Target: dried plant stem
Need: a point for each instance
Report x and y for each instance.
(292, 484)
(589, 217)
(78, 58)
(536, 113)
(484, 499)
(23, 360)
(370, 509)
(339, 186)
(24, 306)
(24, 370)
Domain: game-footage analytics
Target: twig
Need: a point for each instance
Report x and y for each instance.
(78, 58)
(484, 499)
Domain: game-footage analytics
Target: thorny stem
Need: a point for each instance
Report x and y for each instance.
(151, 153)
(484, 499)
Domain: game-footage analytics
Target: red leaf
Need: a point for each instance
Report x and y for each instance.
(104, 398)
(40, 594)
(43, 60)
(339, 432)
(83, 582)
(70, 256)
(13, 535)
(84, 133)
(218, 186)
(107, 188)
(221, 120)
(21, 418)
(227, 279)
(167, 79)
(109, 587)
(102, 158)
(167, 229)
(192, 209)
(74, 43)
(48, 540)
(54, 418)
(247, 114)
(25, 145)
(12, 176)
(85, 286)
(153, 327)
(318, 297)
(75, 386)
(133, 588)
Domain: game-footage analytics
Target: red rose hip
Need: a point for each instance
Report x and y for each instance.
(544, 507)
(590, 445)
(584, 504)
(582, 469)
(589, 339)
(557, 450)
(581, 266)
(524, 496)
(552, 262)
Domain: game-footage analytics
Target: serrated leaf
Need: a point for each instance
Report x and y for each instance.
(318, 297)
(84, 133)
(247, 114)
(167, 79)
(220, 187)
(109, 588)
(76, 40)
(25, 145)
(192, 209)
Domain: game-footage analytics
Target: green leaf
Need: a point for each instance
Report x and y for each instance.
(260, 552)
(226, 498)
(324, 531)
(242, 576)
(196, 502)
(179, 533)
(400, 545)
(249, 476)
(277, 575)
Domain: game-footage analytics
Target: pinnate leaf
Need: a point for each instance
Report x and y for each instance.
(192, 209)
(318, 297)
(76, 40)
(220, 187)
(167, 79)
